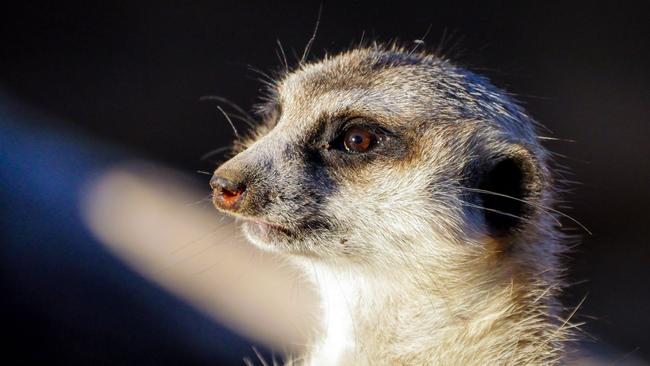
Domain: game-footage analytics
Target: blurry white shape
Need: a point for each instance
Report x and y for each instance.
(150, 218)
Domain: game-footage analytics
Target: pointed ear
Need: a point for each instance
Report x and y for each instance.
(509, 190)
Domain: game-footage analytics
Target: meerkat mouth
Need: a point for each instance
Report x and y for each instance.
(270, 233)
(266, 231)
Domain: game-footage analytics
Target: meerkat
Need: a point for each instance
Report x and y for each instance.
(418, 198)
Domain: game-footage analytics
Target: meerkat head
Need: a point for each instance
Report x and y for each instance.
(380, 156)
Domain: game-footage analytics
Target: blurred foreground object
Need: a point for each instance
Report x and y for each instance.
(147, 216)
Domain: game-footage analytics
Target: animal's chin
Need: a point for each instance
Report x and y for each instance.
(266, 234)
(283, 238)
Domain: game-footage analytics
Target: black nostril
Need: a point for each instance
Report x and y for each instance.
(227, 193)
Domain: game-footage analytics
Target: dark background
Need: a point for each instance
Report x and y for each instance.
(132, 73)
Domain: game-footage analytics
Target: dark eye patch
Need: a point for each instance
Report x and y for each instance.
(373, 143)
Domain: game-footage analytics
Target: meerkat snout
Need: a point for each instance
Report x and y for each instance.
(417, 196)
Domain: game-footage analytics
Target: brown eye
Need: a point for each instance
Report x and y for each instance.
(357, 139)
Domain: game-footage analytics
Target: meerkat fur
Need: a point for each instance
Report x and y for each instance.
(438, 246)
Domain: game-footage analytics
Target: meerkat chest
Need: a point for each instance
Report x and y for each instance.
(338, 301)
(359, 323)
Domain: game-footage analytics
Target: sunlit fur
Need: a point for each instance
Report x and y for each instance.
(409, 270)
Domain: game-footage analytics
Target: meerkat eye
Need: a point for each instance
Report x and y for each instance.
(358, 139)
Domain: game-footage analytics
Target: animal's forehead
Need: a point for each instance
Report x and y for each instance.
(351, 85)
(314, 80)
(397, 88)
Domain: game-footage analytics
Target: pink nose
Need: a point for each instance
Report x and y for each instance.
(228, 195)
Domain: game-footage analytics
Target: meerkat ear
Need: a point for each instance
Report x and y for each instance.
(509, 190)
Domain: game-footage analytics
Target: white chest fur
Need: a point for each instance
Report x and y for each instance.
(338, 299)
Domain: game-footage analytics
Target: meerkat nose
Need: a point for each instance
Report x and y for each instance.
(228, 194)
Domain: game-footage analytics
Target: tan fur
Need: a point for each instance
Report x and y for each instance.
(409, 267)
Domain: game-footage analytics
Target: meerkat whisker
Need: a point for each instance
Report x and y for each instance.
(305, 53)
(283, 56)
(214, 152)
(245, 116)
(555, 139)
(493, 210)
(265, 78)
(229, 121)
(543, 208)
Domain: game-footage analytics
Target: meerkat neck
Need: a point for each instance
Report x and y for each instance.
(373, 316)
